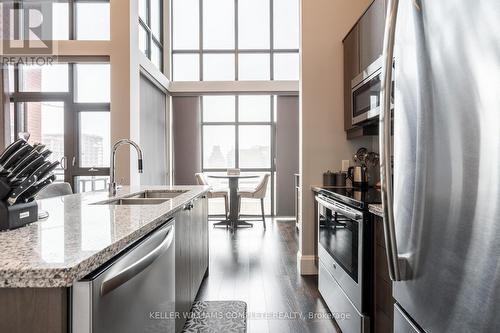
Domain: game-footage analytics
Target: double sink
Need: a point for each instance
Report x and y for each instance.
(148, 197)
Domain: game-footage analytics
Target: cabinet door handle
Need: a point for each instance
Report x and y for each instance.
(64, 162)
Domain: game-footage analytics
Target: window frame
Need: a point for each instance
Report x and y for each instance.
(72, 110)
(152, 39)
(237, 123)
(72, 16)
(236, 51)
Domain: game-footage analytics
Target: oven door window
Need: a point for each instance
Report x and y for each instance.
(339, 236)
(366, 97)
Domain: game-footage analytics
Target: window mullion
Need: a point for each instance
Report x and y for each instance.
(271, 38)
(148, 13)
(236, 45)
(237, 133)
(200, 27)
(72, 20)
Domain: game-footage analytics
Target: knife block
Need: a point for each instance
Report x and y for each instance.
(18, 215)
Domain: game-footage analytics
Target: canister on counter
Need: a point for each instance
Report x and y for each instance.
(340, 178)
(329, 178)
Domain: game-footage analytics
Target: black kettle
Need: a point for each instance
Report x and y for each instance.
(358, 176)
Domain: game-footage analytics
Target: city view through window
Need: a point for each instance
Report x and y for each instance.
(42, 104)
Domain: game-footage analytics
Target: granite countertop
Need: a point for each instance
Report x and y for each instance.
(78, 237)
(376, 209)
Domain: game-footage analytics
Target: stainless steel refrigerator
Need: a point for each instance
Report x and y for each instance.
(442, 205)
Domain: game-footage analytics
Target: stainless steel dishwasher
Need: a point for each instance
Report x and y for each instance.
(133, 293)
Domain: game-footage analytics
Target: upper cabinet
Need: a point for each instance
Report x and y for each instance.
(362, 46)
(351, 69)
(371, 34)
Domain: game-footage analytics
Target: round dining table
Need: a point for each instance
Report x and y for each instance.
(233, 220)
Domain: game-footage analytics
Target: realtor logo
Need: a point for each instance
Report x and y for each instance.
(26, 31)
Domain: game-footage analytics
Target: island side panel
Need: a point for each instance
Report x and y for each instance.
(34, 310)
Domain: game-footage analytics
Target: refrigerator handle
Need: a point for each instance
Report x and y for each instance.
(385, 141)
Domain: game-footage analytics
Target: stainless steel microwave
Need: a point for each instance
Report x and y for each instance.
(365, 93)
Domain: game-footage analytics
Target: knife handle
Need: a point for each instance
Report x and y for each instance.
(16, 156)
(21, 188)
(11, 149)
(27, 183)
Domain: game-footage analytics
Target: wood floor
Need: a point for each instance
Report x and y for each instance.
(260, 268)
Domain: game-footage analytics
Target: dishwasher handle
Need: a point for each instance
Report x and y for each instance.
(134, 269)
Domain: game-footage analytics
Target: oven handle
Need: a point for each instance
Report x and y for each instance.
(129, 272)
(385, 142)
(339, 209)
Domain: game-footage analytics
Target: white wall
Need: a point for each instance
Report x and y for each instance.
(323, 142)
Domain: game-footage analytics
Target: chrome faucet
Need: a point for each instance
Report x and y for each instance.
(112, 182)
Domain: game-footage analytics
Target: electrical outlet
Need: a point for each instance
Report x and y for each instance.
(345, 165)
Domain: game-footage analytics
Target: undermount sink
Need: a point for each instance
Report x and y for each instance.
(155, 194)
(148, 197)
(134, 201)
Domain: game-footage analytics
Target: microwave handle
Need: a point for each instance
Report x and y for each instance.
(338, 209)
(385, 141)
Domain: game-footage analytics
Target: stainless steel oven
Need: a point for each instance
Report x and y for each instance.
(365, 93)
(345, 263)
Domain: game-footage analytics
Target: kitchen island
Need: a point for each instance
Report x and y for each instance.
(40, 262)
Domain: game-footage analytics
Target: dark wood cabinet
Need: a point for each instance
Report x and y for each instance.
(198, 245)
(182, 266)
(351, 69)
(191, 255)
(383, 301)
(371, 34)
(362, 46)
(34, 310)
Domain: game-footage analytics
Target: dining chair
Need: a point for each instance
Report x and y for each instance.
(259, 192)
(55, 190)
(214, 193)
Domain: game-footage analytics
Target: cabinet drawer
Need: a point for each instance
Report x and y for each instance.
(348, 318)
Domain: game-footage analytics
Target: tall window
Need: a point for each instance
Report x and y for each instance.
(238, 133)
(227, 40)
(66, 107)
(151, 30)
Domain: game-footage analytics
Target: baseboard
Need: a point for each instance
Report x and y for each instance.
(307, 264)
